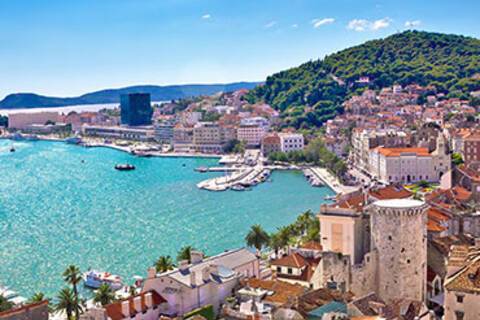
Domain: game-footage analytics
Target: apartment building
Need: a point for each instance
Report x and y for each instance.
(291, 141)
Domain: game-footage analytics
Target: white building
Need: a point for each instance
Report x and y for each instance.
(136, 133)
(205, 281)
(291, 141)
(402, 165)
(252, 134)
(21, 121)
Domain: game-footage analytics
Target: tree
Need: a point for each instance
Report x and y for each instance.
(104, 295)
(37, 297)
(275, 242)
(457, 159)
(5, 305)
(73, 276)
(163, 264)
(257, 237)
(303, 221)
(185, 253)
(66, 302)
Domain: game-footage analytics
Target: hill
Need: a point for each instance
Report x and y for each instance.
(313, 92)
(159, 93)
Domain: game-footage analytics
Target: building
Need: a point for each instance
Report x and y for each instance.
(164, 131)
(402, 165)
(209, 137)
(183, 138)
(462, 284)
(392, 250)
(341, 229)
(144, 306)
(251, 134)
(298, 268)
(21, 121)
(203, 282)
(123, 133)
(291, 142)
(271, 143)
(472, 148)
(136, 109)
(33, 311)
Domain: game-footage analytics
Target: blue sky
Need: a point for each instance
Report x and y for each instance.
(66, 48)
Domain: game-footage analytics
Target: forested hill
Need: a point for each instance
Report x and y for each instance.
(312, 93)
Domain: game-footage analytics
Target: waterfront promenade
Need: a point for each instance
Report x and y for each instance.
(332, 181)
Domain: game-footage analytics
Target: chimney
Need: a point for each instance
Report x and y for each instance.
(183, 265)
(193, 280)
(137, 303)
(151, 273)
(148, 300)
(126, 308)
(196, 257)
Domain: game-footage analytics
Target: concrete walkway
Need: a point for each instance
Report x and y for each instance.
(332, 181)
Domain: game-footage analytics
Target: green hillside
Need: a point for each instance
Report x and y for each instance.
(312, 93)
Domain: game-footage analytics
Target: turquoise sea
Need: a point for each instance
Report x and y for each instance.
(56, 210)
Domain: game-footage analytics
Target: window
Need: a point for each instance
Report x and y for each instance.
(290, 271)
(460, 299)
(279, 269)
(459, 315)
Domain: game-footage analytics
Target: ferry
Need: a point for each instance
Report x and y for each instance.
(94, 279)
(125, 167)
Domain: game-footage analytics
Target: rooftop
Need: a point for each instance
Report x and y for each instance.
(399, 203)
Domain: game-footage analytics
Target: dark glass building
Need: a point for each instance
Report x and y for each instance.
(135, 109)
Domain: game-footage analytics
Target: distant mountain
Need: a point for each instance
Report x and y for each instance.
(313, 92)
(159, 93)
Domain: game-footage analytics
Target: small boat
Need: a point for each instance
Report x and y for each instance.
(238, 187)
(201, 169)
(12, 149)
(94, 279)
(73, 140)
(125, 167)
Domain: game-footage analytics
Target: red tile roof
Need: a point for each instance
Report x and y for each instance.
(114, 310)
(390, 192)
(396, 152)
(294, 260)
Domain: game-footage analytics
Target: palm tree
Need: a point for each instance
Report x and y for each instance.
(104, 295)
(184, 253)
(284, 235)
(257, 237)
(274, 243)
(37, 297)
(303, 222)
(67, 302)
(5, 304)
(163, 264)
(73, 276)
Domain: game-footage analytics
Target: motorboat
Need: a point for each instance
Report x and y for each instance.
(73, 140)
(125, 167)
(12, 149)
(238, 187)
(94, 279)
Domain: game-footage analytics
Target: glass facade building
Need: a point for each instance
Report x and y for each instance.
(135, 109)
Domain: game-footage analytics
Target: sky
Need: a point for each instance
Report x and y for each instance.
(67, 48)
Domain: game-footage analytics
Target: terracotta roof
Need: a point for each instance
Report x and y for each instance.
(433, 226)
(294, 260)
(356, 202)
(467, 279)
(437, 215)
(312, 245)
(396, 152)
(390, 192)
(283, 292)
(114, 310)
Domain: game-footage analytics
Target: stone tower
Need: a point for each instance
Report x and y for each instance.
(399, 237)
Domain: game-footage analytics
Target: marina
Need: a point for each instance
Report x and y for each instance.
(74, 207)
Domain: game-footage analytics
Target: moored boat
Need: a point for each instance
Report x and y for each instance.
(94, 279)
(73, 140)
(125, 167)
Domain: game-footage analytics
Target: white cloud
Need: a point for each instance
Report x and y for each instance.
(294, 26)
(270, 24)
(206, 16)
(317, 23)
(381, 24)
(412, 23)
(358, 25)
(361, 25)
